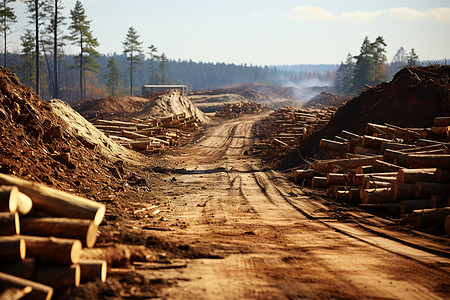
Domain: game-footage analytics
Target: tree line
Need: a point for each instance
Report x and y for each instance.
(369, 68)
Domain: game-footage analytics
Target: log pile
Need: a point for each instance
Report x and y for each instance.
(233, 110)
(286, 127)
(403, 170)
(42, 233)
(150, 136)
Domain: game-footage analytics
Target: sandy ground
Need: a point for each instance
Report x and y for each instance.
(249, 233)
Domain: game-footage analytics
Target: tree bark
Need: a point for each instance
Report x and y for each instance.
(92, 270)
(339, 179)
(439, 201)
(12, 248)
(56, 202)
(53, 250)
(433, 217)
(372, 196)
(324, 166)
(38, 292)
(447, 225)
(408, 206)
(319, 182)
(9, 223)
(428, 189)
(78, 229)
(415, 175)
(402, 191)
(333, 145)
(8, 198)
(24, 269)
(442, 175)
(59, 276)
(300, 175)
(381, 166)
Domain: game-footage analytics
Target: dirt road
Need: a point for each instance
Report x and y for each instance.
(255, 235)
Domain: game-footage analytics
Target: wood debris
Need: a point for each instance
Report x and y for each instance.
(150, 136)
(404, 170)
(285, 129)
(233, 110)
(42, 232)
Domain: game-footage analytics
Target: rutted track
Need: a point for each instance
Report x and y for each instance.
(276, 242)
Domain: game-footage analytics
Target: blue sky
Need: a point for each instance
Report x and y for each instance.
(262, 32)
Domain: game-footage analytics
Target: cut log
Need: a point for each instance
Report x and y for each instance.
(24, 203)
(425, 142)
(59, 276)
(364, 170)
(433, 217)
(339, 179)
(373, 184)
(9, 223)
(56, 202)
(427, 189)
(386, 177)
(38, 292)
(374, 142)
(78, 229)
(402, 191)
(23, 269)
(392, 208)
(408, 206)
(8, 198)
(333, 145)
(447, 225)
(415, 175)
(440, 131)
(14, 293)
(391, 156)
(381, 166)
(372, 196)
(92, 270)
(396, 146)
(349, 135)
(428, 161)
(442, 175)
(365, 150)
(324, 166)
(53, 250)
(12, 248)
(439, 201)
(441, 121)
(300, 175)
(319, 182)
(354, 194)
(425, 148)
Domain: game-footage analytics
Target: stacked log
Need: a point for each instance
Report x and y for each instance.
(287, 127)
(150, 136)
(41, 244)
(391, 167)
(233, 110)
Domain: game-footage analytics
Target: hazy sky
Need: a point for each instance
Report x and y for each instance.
(263, 32)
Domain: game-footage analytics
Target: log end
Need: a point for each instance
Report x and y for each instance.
(75, 251)
(401, 176)
(99, 214)
(91, 235)
(24, 203)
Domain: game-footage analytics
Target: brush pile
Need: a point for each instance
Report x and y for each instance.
(234, 110)
(42, 232)
(285, 129)
(152, 135)
(403, 170)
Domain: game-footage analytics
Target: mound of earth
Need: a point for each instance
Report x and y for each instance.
(214, 103)
(326, 99)
(167, 104)
(110, 107)
(36, 145)
(414, 97)
(125, 108)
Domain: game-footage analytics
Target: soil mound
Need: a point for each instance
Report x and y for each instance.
(110, 107)
(168, 104)
(36, 145)
(412, 99)
(326, 99)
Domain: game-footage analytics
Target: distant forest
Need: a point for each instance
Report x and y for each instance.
(196, 75)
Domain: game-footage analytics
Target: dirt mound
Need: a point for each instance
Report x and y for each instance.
(214, 103)
(110, 107)
(168, 104)
(36, 145)
(326, 99)
(125, 108)
(412, 99)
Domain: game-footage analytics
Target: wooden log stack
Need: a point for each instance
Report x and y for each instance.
(287, 127)
(150, 136)
(42, 232)
(406, 170)
(233, 110)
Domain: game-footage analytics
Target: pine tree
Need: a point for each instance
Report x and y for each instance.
(344, 76)
(81, 36)
(131, 48)
(163, 65)
(7, 17)
(412, 59)
(152, 52)
(28, 55)
(37, 16)
(113, 77)
(55, 38)
(379, 59)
